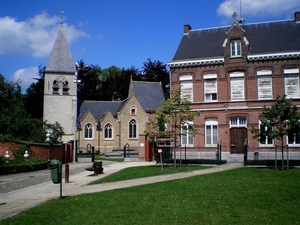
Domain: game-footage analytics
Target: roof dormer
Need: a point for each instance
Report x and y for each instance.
(236, 44)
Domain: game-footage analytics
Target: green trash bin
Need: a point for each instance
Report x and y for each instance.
(56, 171)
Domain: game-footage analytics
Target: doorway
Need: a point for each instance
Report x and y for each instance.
(237, 139)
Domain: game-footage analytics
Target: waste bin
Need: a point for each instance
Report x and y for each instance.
(56, 171)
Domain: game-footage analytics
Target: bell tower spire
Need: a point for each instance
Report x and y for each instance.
(59, 87)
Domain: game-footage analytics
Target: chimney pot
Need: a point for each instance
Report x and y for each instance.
(297, 17)
(186, 28)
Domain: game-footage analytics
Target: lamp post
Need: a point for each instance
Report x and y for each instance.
(76, 81)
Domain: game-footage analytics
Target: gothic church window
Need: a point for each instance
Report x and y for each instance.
(88, 131)
(108, 130)
(132, 129)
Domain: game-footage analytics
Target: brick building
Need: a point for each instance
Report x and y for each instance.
(229, 74)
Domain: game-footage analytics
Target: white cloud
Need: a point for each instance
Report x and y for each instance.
(25, 77)
(259, 8)
(34, 36)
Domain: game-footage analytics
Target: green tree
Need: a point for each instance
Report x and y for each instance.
(157, 71)
(55, 130)
(89, 87)
(175, 112)
(34, 97)
(278, 120)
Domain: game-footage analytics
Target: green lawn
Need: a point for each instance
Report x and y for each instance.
(145, 171)
(240, 196)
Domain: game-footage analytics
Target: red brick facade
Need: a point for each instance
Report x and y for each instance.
(224, 108)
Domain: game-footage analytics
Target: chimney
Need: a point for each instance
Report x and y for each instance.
(297, 17)
(186, 28)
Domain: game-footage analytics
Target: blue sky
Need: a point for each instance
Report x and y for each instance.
(122, 33)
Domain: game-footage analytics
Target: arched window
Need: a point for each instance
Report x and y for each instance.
(132, 110)
(132, 129)
(108, 131)
(88, 131)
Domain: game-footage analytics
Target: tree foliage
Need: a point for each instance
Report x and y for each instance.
(175, 113)
(34, 97)
(15, 122)
(280, 119)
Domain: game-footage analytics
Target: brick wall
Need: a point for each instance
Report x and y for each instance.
(43, 151)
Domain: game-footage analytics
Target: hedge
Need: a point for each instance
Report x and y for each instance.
(22, 167)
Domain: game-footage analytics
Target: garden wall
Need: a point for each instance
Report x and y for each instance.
(61, 152)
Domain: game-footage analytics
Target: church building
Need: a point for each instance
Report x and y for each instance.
(106, 126)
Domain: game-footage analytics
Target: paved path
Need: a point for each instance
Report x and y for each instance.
(14, 202)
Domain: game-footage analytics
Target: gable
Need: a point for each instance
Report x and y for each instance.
(150, 95)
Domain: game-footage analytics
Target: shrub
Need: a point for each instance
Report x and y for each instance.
(33, 164)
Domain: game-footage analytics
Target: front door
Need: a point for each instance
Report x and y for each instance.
(237, 139)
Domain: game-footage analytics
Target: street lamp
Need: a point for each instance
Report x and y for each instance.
(76, 81)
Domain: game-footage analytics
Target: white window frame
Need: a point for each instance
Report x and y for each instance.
(187, 139)
(108, 127)
(265, 144)
(237, 86)
(211, 138)
(210, 88)
(238, 121)
(186, 87)
(291, 83)
(264, 84)
(235, 48)
(90, 129)
(296, 140)
(132, 129)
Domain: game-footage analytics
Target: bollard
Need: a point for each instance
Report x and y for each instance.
(67, 173)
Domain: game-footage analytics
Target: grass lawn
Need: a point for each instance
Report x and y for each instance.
(240, 196)
(145, 171)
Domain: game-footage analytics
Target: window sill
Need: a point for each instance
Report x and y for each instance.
(108, 139)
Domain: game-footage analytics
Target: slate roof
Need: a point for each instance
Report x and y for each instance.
(61, 59)
(264, 38)
(99, 108)
(149, 94)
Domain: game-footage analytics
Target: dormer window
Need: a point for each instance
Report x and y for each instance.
(236, 49)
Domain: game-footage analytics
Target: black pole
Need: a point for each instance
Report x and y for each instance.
(185, 154)
(245, 152)
(93, 153)
(124, 151)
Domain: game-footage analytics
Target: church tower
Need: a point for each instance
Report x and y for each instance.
(59, 87)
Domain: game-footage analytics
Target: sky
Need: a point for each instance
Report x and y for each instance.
(122, 33)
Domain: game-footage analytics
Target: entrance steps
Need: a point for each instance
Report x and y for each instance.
(236, 158)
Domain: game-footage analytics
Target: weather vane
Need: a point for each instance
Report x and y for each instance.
(61, 17)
